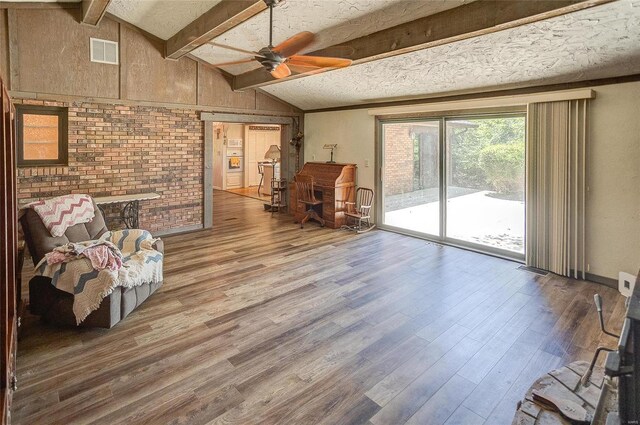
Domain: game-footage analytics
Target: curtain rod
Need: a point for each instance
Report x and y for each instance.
(488, 102)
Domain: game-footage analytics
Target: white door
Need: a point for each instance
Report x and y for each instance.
(257, 144)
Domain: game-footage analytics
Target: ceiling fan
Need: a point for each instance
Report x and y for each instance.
(283, 58)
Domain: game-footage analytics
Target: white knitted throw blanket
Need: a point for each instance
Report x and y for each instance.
(140, 264)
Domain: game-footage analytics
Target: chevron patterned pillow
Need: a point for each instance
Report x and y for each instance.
(58, 214)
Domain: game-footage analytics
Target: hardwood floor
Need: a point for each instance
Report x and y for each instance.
(251, 192)
(260, 322)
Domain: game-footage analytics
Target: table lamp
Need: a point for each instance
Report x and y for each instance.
(273, 153)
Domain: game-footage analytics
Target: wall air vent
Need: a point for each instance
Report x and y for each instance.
(104, 51)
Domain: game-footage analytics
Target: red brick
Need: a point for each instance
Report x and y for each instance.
(114, 150)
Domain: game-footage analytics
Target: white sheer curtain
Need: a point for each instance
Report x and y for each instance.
(555, 201)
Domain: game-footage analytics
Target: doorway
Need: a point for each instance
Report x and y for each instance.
(212, 163)
(456, 179)
(259, 138)
(239, 164)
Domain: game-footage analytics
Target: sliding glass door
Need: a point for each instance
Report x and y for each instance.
(458, 179)
(411, 172)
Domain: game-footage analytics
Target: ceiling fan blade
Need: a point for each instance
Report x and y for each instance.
(233, 62)
(282, 71)
(319, 61)
(293, 45)
(235, 49)
(302, 69)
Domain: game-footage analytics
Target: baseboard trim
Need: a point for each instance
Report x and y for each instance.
(607, 281)
(179, 230)
(535, 270)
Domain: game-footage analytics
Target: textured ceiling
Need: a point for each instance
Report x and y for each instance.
(40, 1)
(333, 21)
(162, 18)
(599, 42)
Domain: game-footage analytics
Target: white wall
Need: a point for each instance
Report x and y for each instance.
(613, 165)
(256, 144)
(234, 131)
(221, 133)
(353, 131)
(613, 202)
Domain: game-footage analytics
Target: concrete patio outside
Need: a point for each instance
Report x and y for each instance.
(472, 215)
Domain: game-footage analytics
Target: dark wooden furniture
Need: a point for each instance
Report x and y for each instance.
(20, 304)
(334, 184)
(307, 196)
(8, 256)
(278, 195)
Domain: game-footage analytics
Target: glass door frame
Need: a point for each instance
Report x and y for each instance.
(442, 117)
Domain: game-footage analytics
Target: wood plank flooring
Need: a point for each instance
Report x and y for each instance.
(260, 322)
(251, 192)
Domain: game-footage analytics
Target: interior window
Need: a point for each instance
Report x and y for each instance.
(41, 135)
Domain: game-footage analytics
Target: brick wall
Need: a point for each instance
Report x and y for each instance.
(398, 159)
(117, 150)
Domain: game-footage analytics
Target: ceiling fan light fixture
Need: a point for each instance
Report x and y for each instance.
(269, 59)
(269, 65)
(275, 59)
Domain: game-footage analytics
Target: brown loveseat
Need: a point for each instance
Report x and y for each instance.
(57, 306)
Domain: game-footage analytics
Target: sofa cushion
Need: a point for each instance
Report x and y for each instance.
(40, 241)
(56, 306)
(133, 297)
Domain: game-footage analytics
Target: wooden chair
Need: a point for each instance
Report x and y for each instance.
(261, 172)
(306, 195)
(360, 211)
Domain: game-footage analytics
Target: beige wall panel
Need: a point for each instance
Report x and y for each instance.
(4, 46)
(265, 102)
(150, 77)
(53, 54)
(215, 90)
(613, 178)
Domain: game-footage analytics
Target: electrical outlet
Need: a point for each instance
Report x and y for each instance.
(626, 282)
(366, 162)
(313, 157)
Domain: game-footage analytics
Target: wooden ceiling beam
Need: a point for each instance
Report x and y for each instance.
(470, 20)
(219, 19)
(93, 11)
(38, 5)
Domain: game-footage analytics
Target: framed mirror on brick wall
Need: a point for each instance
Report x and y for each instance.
(42, 135)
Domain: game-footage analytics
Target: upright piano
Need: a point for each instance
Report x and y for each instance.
(334, 184)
